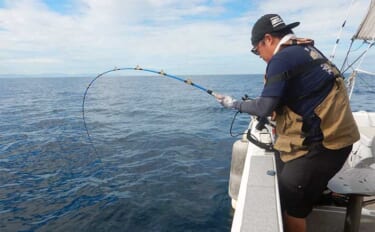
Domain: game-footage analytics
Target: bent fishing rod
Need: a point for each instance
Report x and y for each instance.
(137, 68)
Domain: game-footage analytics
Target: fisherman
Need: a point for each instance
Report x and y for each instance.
(315, 128)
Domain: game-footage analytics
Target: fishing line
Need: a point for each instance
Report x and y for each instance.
(137, 68)
(231, 126)
(244, 98)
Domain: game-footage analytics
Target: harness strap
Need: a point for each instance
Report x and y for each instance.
(299, 41)
(296, 71)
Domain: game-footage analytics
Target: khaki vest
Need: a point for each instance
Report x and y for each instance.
(337, 124)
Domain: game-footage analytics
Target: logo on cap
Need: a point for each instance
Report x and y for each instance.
(276, 21)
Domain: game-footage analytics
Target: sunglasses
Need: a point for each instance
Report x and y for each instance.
(255, 48)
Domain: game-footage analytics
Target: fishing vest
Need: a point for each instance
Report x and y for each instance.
(337, 122)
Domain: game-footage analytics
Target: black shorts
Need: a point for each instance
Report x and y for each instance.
(303, 180)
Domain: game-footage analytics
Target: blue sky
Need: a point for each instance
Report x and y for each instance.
(41, 37)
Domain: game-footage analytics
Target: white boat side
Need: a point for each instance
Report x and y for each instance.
(258, 205)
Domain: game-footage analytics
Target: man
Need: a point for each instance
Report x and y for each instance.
(315, 128)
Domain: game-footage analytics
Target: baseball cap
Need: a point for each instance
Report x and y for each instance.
(267, 24)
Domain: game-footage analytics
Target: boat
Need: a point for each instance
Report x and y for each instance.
(349, 202)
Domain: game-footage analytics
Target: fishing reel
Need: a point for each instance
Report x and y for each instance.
(246, 98)
(262, 121)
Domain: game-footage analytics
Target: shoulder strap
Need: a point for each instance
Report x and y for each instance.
(299, 41)
(296, 71)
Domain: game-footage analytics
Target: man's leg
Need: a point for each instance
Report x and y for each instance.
(293, 224)
(302, 181)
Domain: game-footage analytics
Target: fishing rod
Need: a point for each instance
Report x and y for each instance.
(137, 68)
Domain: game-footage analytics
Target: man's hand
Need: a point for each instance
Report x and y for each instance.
(226, 101)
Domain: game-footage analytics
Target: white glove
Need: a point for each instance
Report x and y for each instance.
(226, 101)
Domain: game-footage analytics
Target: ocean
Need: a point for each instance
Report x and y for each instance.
(161, 160)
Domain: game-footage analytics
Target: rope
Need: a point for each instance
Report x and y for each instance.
(332, 56)
(137, 68)
(360, 57)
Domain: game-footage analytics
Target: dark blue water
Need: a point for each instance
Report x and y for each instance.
(163, 158)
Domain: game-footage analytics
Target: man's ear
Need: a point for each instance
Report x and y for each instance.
(268, 39)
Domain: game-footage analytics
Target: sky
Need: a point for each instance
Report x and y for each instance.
(79, 37)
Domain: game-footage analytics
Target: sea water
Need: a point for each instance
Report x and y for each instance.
(161, 159)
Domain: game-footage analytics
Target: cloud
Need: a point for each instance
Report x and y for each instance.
(107, 33)
(196, 36)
